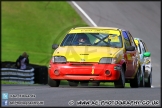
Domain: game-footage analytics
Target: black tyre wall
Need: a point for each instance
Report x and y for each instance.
(40, 72)
(41, 75)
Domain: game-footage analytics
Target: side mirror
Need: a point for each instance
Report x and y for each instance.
(147, 54)
(55, 46)
(130, 48)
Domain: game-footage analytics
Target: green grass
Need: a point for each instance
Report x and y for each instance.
(33, 27)
(8, 82)
(12, 82)
(64, 82)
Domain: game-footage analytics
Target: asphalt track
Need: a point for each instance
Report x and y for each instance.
(143, 20)
(60, 96)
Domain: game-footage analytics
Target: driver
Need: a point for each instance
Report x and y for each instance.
(81, 39)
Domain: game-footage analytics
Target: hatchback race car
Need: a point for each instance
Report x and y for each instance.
(95, 54)
(145, 59)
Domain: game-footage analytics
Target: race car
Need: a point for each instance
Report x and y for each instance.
(145, 59)
(93, 55)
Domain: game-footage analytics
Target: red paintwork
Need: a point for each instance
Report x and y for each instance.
(73, 72)
(131, 65)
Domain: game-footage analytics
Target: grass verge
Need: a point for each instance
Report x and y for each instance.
(63, 82)
(33, 26)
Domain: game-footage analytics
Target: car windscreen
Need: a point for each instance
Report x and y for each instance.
(92, 39)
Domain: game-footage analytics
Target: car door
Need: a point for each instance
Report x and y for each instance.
(142, 49)
(130, 56)
(135, 55)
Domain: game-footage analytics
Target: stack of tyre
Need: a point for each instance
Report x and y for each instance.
(12, 74)
(41, 75)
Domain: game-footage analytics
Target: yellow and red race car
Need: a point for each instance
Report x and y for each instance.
(95, 54)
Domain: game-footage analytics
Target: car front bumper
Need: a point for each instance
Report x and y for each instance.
(84, 71)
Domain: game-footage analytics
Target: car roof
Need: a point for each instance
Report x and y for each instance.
(138, 38)
(115, 28)
(98, 27)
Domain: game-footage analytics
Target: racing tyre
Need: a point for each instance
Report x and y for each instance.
(73, 83)
(95, 83)
(135, 83)
(84, 83)
(121, 82)
(148, 84)
(142, 80)
(53, 83)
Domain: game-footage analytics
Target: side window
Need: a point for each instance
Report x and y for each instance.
(132, 40)
(126, 39)
(67, 40)
(144, 46)
(139, 48)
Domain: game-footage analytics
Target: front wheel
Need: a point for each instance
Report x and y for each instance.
(121, 82)
(135, 83)
(149, 82)
(142, 80)
(53, 83)
(73, 83)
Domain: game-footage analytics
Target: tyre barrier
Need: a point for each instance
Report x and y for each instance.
(34, 74)
(41, 74)
(18, 75)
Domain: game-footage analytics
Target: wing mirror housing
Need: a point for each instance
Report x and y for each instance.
(55, 46)
(147, 54)
(130, 48)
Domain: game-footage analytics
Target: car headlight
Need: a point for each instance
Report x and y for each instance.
(114, 60)
(147, 60)
(105, 60)
(108, 60)
(58, 59)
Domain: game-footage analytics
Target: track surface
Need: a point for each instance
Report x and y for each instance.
(143, 20)
(62, 95)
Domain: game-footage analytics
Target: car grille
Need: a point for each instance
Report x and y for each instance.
(82, 74)
(81, 64)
